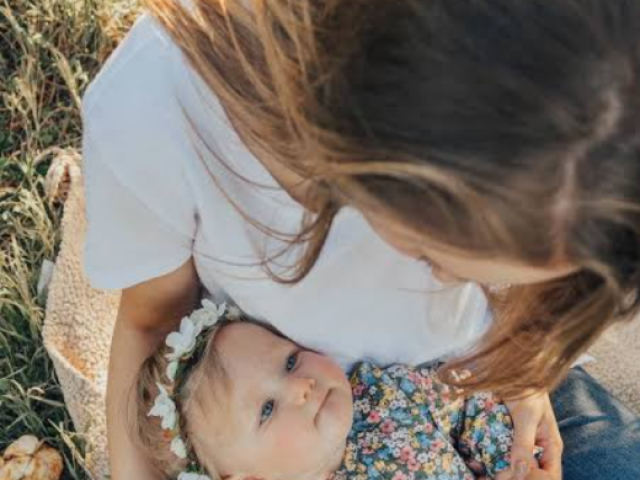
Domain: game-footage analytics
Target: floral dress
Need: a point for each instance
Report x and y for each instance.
(409, 426)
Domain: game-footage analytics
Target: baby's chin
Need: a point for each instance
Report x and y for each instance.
(334, 426)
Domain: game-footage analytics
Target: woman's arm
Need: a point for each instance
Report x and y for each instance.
(147, 313)
(535, 423)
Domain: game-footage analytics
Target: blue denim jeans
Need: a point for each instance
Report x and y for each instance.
(601, 436)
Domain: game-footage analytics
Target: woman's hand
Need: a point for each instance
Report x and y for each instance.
(534, 424)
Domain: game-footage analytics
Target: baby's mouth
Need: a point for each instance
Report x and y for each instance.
(321, 406)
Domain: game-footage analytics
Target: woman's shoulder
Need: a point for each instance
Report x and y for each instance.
(143, 57)
(146, 111)
(141, 107)
(147, 56)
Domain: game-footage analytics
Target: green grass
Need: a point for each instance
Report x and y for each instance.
(49, 52)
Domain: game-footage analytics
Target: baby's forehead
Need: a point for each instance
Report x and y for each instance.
(247, 353)
(247, 339)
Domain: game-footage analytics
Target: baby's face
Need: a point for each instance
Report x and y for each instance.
(287, 413)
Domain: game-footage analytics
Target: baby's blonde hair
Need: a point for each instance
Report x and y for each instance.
(190, 388)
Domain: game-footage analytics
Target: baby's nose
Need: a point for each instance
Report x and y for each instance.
(301, 390)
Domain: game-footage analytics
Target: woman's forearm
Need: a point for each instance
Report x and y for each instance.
(147, 313)
(130, 347)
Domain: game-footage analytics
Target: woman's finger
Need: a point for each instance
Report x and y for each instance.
(526, 415)
(551, 460)
(524, 440)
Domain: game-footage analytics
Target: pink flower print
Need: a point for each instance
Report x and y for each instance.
(437, 445)
(388, 426)
(413, 465)
(407, 453)
(428, 428)
(374, 416)
(399, 475)
(357, 391)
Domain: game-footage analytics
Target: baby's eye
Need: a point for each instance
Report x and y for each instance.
(292, 361)
(267, 411)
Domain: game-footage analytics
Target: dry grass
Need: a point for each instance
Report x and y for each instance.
(49, 51)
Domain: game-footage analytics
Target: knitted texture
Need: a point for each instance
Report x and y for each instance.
(79, 320)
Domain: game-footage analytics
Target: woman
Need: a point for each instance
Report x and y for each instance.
(330, 165)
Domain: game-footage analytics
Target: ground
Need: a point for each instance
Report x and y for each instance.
(49, 52)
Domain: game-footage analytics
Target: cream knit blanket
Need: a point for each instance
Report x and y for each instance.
(79, 320)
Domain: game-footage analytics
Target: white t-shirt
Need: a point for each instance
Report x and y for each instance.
(152, 203)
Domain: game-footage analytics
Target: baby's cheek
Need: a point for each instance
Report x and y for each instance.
(277, 455)
(291, 440)
(297, 445)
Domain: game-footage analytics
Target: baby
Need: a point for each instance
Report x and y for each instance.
(239, 401)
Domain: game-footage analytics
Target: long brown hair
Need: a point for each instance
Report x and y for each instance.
(505, 128)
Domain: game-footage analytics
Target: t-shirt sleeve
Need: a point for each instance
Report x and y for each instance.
(140, 223)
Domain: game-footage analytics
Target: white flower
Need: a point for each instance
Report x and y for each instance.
(203, 317)
(234, 313)
(184, 341)
(165, 408)
(172, 369)
(178, 447)
(192, 476)
(211, 312)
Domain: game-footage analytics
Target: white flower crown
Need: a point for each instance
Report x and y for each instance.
(184, 343)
